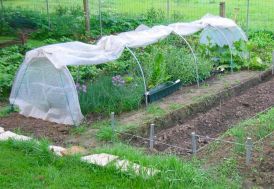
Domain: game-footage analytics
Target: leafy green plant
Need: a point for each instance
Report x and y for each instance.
(261, 45)
(181, 66)
(10, 59)
(5, 111)
(106, 134)
(254, 54)
(158, 71)
(153, 16)
(104, 96)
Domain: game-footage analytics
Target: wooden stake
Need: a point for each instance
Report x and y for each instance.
(151, 136)
(193, 142)
(47, 5)
(272, 62)
(249, 146)
(222, 9)
(87, 15)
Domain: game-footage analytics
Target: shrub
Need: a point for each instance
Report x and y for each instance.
(261, 45)
(181, 66)
(176, 62)
(254, 54)
(10, 59)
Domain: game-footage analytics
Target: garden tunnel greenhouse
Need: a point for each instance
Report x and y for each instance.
(44, 87)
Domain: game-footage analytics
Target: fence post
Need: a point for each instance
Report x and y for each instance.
(151, 136)
(222, 9)
(2, 11)
(47, 5)
(2, 6)
(272, 62)
(249, 146)
(247, 16)
(168, 9)
(100, 17)
(193, 142)
(87, 15)
(112, 118)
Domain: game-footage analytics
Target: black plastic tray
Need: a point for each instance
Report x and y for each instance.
(163, 90)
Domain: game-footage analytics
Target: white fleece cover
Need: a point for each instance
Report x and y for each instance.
(44, 87)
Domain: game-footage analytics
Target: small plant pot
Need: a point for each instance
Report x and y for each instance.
(163, 90)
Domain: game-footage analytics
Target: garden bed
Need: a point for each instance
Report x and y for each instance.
(213, 122)
(35, 127)
(189, 101)
(171, 111)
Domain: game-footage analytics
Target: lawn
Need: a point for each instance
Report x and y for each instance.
(261, 14)
(29, 165)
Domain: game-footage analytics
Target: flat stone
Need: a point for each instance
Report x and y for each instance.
(74, 150)
(57, 150)
(126, 166)
(99, 159)
(2, 130)
(10, 135)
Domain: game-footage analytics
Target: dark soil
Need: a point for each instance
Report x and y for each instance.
(15, 122)
(217, 120)
(264, 174)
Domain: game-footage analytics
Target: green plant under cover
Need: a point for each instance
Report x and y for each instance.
(170, 60)
(244, 54)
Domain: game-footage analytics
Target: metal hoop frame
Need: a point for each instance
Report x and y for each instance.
(229, 45)
(194, 57)
(142, 73)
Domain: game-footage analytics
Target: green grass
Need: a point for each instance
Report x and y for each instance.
(155, 110)
(261, 14)
(6, 38)
(175, 106)
(256, 128)
(29, 165)
(105, 131)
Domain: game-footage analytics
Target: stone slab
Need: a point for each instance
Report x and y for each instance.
(127, 166)
(99, 159)
(57, 150)
(10, 135)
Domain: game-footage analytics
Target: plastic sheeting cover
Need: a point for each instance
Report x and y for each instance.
(222, 36)
(46, 93)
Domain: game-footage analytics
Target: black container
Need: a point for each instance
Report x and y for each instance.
(163, 90)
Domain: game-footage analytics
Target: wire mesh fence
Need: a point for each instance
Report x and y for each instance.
(250, 14)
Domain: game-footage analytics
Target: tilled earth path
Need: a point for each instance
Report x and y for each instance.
(217, 120)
